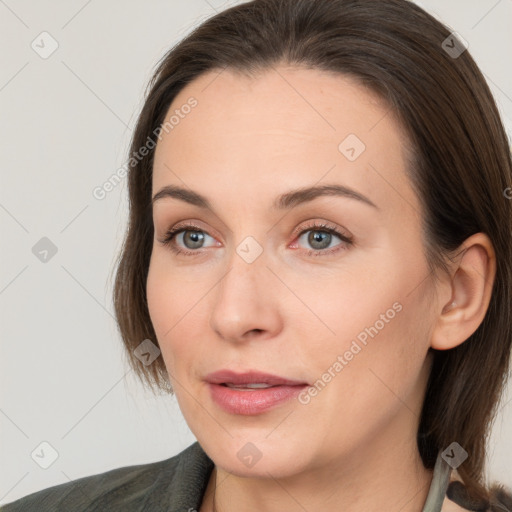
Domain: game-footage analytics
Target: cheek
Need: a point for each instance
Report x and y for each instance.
(164, 308)
(370, 382)
(346, 305)
(174, 304)
(368, 326)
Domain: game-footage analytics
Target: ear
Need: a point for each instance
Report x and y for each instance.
(466, 294)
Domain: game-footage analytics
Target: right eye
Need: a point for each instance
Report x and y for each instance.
(185, 239)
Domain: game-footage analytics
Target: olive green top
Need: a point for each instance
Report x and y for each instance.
(176, 484)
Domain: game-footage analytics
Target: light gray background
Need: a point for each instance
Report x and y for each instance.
(65, 127)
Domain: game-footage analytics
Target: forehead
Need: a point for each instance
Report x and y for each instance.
(283, 124)
(298, 100)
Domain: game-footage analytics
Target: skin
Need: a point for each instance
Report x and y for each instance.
(291, 313)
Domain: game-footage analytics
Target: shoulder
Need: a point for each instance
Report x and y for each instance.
(131, 488)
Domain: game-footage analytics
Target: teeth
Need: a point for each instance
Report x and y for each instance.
(254, 385)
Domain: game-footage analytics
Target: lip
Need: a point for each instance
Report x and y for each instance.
(250, 377)
(251, 401)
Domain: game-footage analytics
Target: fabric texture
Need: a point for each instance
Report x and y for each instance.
(176, 484)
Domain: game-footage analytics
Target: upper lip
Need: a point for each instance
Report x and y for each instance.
(250, 377)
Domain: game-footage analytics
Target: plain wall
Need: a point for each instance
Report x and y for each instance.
(65, 126)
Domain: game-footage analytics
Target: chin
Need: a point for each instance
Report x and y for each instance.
(252, 454)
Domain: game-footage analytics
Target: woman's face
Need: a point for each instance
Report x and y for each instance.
(267, 285)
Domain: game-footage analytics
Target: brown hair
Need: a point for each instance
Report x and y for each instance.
(461, 167)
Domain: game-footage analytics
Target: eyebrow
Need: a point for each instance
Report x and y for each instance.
(283, 202)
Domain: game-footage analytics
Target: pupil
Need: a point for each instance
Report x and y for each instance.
(319, 237)
(195, 237)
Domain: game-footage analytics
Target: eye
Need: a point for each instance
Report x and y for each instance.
(188, 239)
(190, 236)
(319, 236)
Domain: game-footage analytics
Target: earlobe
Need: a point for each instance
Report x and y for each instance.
(471, 281)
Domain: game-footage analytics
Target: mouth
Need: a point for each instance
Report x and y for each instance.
(251, 392)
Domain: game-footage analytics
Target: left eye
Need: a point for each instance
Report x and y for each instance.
(319, 239)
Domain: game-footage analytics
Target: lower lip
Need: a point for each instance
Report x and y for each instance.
(252, 401)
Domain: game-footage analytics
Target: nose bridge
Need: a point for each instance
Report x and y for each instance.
(243, 301)
(246, 273)
(247, 259)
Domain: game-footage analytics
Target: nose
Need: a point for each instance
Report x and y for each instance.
(246, 302)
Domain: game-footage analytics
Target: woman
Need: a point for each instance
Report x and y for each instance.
(319, 246)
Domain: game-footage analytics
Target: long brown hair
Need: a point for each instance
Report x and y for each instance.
(461, 168)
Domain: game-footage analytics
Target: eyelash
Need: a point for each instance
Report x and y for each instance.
(315, 226)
